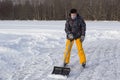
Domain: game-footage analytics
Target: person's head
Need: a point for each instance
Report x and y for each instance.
(73, 13)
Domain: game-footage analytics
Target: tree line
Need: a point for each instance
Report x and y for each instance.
(59, 9)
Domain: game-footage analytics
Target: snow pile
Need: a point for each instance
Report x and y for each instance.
(57, 76)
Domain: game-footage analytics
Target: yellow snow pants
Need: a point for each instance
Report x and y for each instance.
(81, 54)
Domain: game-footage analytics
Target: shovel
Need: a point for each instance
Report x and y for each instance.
(62, 70)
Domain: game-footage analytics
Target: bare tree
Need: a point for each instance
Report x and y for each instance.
(59, 9)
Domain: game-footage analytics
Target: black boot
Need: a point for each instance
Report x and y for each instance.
(83, 65)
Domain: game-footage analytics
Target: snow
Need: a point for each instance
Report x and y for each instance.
(57, 76)
(30, 49)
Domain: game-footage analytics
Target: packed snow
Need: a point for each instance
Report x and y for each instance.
(30, 49)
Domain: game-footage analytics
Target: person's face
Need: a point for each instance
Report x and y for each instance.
(73, 15)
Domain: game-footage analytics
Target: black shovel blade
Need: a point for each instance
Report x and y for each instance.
(61, 71)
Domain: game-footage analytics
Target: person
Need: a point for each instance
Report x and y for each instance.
(75, 29)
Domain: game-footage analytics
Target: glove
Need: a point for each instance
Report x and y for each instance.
(82, 38)
(70, 36)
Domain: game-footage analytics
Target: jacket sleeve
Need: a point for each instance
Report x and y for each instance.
(83, 25)
(67, 27)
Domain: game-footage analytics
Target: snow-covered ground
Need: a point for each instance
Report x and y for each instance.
(30, 49)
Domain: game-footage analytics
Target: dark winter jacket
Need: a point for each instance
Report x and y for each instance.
(77, 27)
